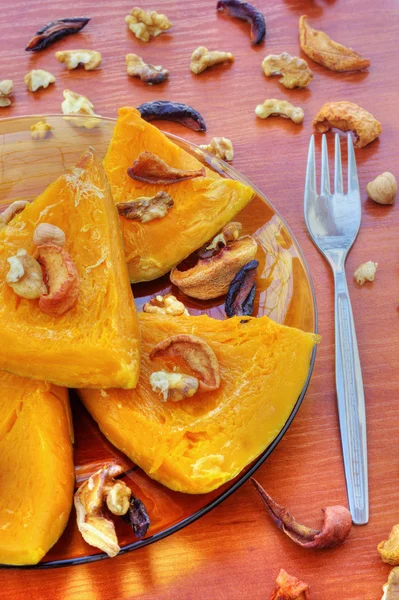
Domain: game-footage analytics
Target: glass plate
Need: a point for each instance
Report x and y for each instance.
(285, 293)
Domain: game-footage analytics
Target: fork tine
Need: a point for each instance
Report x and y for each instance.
(338, 185)
(310, 182)
(353, 182)
(325, 174)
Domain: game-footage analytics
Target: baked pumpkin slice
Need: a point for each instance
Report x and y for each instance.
(81, 329)
(198, 206)
(36, 468)
(198, 443)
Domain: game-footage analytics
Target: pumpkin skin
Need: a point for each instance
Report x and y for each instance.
(201, 205)
(36, 468)
(96, 343)
(199, 443)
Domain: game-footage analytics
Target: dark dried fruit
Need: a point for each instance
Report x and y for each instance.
(172, 111)
(337, 523)
(137, 517)
(148, 167)
(241, 295)
(55, 31)
(246, 12)
(146, 208)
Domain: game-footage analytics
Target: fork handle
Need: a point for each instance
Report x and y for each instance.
(351, 407)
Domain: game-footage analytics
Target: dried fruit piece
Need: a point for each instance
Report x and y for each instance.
(246, 12)
(40, 130)
(221, 147)
(13, 209)
(150, 74)
(391, 587)
(89, 500)
(241, 295)
(38, 78)
(90, 59)
(295, 71)
(61, 278)
(383, 189)
(45, 233)
(279, 108)
(323, 50)
(202, 58)
(174, 386)
(146, 208)
(137, 517)
(198, 355)
(289, 587)
(5, 91)
(212, 275)
(55, 31)
(389, 549)
(25, 276)
(337, 523)
(148, 167)
(348, 116)
(165, 305)
(366, 272)
(172, 111)
(147, 24)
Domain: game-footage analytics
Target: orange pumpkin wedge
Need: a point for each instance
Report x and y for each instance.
(96, 341)
(201, 205)
(197, 444)
(36, 468)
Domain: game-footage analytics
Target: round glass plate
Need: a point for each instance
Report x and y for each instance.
(285, 294)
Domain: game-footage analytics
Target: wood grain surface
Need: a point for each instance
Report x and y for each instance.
(235, 552)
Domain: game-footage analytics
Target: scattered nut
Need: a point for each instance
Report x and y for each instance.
(40, 130)
(220, 147)
(202, 58)
(173, 386)
(211, 276)
(165, 305)
(5, 91)
(48, 234)
(146, 208)
(383, 188)
(150, 74)
(289, 587)
(147, 24)
(55, 31)
(279, 108)
(25, 276)
(391, 587)
(366, 272)
(198, 355)
(38, 78)
(148, 167)
(61, 278)
(90, 59)
(348, 116)
(295, 71)
(389, 549)
(9, 213)
(323, 50)
(76, 104)
(89, 499)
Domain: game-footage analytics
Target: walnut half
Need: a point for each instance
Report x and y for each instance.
(165, 305)
(202, 58)
(279, 108)
(146, 208)
(90, 59)
(38, 78)
(295, 71)
(174, 386)
(150, 74)
(5, 91)
(147, 24)
(221, 147)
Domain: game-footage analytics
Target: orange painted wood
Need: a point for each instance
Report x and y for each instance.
(235, 552)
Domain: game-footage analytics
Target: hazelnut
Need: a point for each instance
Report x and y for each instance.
(383, 189)
(48, 234)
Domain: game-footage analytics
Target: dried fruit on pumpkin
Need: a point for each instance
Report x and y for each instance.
(289, 587)
(148, 167)
(348, 116)
(323, 50)
(56, 30)
(172, 111)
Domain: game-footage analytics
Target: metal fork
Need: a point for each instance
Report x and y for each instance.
(333, 221)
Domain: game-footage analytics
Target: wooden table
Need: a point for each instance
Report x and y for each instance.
(235, 552)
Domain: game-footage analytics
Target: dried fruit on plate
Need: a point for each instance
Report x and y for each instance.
(147, 24)
(323, 50)
(221, 147)
(246, 12)
(36, 467)
(90, 59)
(150, 74)
(202, 59)
(197, 444)
(172, 111)
(5, 91)
(241, 294)
(149, 168)
(95, 342)
(56, 30)
(289, 587)
(295, 71)
(202, 205)
(279, 108)
(348, 116)
(38, 78)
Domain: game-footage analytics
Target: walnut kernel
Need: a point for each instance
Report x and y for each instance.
(165, 305)
(5, 91)
(383, 189)
(221, 147)
(25, 276)
(38, 78)
(40, 130)
(173, 386)
(150, 74)
(366, 272)
(90, 59)
(279, 108)
(76, 104)
(147, 24)
(202, 58)
(295, 71)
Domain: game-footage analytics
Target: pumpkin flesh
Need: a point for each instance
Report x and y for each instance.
(36, 468)
(201, 442)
